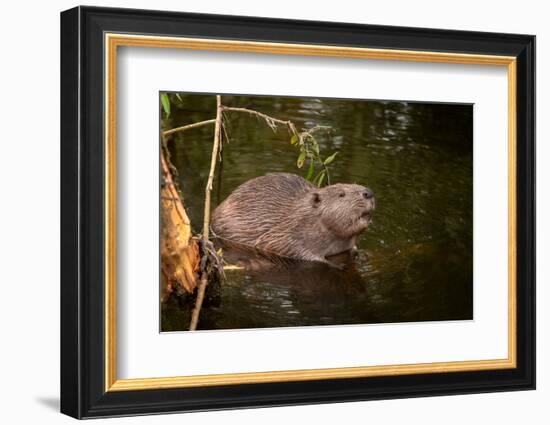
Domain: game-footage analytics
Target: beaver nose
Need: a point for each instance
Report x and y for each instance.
(368, 193)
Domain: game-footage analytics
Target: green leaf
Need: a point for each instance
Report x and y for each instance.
(310, 171)
(301, 159)
(294, 139)
(330, 158)
(318, 177)
(315, 145)
(179, 97)
(165, 103)
(321, 179)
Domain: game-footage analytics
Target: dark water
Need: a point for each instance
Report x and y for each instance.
(415, 261)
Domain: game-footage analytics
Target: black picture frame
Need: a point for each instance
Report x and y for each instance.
(83, 392)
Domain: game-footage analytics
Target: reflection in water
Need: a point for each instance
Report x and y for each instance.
(415, 261)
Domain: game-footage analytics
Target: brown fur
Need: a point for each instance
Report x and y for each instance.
(284, 214)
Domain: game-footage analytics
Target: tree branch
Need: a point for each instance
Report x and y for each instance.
(272, 122)
(206, 223)
(188, 127)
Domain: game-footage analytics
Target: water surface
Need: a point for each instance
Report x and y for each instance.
(415, 261)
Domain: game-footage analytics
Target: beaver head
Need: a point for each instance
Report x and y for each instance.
(345, 209)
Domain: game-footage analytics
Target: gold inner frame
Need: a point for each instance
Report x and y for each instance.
(113, 41)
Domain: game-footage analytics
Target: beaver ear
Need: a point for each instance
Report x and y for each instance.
(315, 199)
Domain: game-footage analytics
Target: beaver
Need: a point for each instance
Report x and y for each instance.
(285, 215)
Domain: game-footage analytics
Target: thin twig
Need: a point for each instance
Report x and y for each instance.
(206, 224)
(198, 303)
(208, 190)
(316, 128)
(188, 127)
(270, 120)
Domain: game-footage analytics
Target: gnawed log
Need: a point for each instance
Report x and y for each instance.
(179, 250)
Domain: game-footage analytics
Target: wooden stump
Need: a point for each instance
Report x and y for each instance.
(179, 251)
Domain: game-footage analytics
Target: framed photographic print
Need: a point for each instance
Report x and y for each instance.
(261, 212)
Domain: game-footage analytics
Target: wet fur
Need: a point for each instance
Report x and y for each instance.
(284, 214)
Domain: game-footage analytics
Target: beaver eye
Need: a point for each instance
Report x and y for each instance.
(342, 194)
